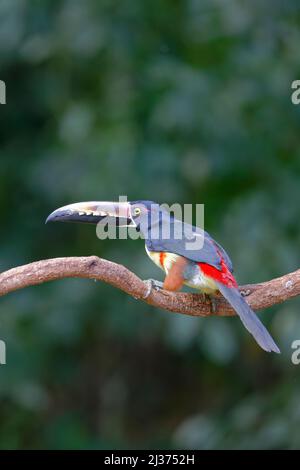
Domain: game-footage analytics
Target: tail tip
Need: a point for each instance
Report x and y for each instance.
(272, 348)
(276, 350)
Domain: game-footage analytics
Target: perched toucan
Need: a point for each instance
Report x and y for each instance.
(171, 245)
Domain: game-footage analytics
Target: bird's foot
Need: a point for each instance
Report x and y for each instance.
(152, 284)
(213, 303)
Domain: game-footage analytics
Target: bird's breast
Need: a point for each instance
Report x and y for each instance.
(193, 274)
(162, 259)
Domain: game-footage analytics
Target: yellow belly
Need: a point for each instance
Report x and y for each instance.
(197, 279)
(168, 259)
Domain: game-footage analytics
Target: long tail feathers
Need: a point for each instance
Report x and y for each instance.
(248, 317)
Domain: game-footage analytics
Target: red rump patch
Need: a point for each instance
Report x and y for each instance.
(221, 275)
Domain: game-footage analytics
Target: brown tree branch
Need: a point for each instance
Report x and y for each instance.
(258, 296)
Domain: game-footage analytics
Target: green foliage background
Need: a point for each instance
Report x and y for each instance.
(173, 100)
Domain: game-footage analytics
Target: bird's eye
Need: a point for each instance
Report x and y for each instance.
(137, 211)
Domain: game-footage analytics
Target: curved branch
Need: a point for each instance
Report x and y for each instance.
(258, 296)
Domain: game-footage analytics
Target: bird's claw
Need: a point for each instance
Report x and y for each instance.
(213, 303)
(152, 284)
(245, 293)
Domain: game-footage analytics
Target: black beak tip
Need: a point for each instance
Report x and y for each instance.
(57, 216)
(53, 217)
(66, 215)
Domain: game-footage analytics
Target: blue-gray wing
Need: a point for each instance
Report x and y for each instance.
(192, 242)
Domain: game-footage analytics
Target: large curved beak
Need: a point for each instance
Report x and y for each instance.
(93, 212)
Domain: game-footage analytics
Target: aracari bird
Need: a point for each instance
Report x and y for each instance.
(170, 244)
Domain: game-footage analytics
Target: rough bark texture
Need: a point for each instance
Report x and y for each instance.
(258, 296)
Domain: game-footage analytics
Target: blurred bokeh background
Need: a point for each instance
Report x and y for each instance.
(183, 101)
